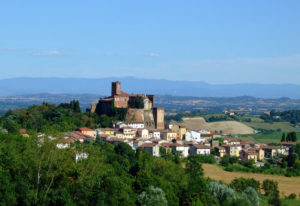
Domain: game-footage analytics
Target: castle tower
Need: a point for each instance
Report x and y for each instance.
(159, 116)
(151, 98)
(115, 88)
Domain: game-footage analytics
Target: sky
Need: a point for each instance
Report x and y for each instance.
(218, 42)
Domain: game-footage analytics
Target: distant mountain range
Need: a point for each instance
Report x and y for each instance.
(102, 86)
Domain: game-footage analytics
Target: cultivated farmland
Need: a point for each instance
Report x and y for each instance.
(228, 127)
(287, 185)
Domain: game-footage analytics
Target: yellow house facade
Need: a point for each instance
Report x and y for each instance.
(180, 131)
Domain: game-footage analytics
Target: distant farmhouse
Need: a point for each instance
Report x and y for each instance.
(140, 107)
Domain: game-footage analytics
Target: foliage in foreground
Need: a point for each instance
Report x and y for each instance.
(35, 172)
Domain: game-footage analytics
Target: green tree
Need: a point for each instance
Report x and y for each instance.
(138, 102)
(250, 194)
(283, 138)
(105, 121)
(152, 196)
(270, 187)
(194, 165)
(11, 126)
(291, 137)
(241, 184)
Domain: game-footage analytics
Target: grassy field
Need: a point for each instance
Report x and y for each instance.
(263, 138)
(269, 138)
(228, 127)
(284, 202)
(287, 185)
(284, 126)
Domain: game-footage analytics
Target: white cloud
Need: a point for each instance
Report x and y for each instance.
(154, 54)
(47, 53)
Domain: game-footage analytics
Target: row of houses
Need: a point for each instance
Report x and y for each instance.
(252, 150)
(184, 142)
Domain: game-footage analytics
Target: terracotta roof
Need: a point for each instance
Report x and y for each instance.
(250, 152)
(199, 146)
(127, 128)
(115, 140)
(106, 99)
(83, 135)
(79, 133)
(85, 129)
(176, 145)
(103, 135)
(189, 143)
(270, 147)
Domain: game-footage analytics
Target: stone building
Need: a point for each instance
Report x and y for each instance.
(151, 116)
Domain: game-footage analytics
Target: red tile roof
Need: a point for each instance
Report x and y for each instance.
(85, 129)
(115, 140)
(79, 133)
(199, 146)
(176, 145)
(127, 128)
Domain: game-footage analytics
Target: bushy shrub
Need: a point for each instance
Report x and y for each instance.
(292, 196)
(222, 192)
(241, 184)
(270, 187)
(228, 196)
(251, 196)
(152, 196)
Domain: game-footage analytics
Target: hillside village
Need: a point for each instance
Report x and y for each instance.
(176, 138)
(155, 136)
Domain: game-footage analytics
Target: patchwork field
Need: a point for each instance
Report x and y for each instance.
(287, 185)
(228, 127)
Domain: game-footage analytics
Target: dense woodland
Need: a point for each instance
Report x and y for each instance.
(35, 172)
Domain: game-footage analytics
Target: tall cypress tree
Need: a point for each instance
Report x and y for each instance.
(283, 138)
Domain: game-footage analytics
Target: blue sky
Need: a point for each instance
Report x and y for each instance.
(212, 41)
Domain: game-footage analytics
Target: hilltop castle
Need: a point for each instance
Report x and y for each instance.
(150, 115)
